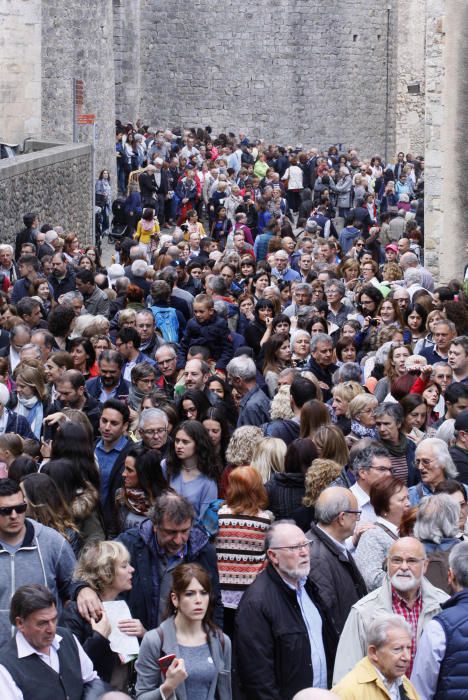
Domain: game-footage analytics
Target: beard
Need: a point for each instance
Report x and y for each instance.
(405, 582)
(298, 572)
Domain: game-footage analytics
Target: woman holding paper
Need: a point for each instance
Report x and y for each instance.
(201, 664)
(105, 567)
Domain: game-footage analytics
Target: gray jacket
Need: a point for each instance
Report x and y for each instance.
(44, 557)
(352, 646)
(162, 641)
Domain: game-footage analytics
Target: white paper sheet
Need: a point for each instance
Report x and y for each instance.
(123, 644)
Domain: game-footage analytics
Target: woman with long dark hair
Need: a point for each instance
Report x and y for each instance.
(287, 489)
(84, 356)
(192, 404)
(202, 664)
(256, 330)
(216, 424)
(72, 442)
(221, 388)
(277, 356)
(191, 466)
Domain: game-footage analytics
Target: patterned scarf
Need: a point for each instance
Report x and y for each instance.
(135, 500)
(361, 431)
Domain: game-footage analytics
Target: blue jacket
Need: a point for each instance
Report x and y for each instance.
(94, 388)
(143, 599)
(214, 335)
(453, 676)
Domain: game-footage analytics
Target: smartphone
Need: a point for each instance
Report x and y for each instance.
(165, 661)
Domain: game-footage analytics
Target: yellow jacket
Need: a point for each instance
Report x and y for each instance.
(364, 683)
(144, 235)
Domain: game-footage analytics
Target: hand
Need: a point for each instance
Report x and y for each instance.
(176, 674)
(426, 371)
(367, 321)
(89, 605)
(268, 321)
(359, 530)
(293, 322)
(132, 627)
(46, 448)
(55, 418)
(103, 626)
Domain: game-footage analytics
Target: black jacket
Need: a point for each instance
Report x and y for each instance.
(323, 374)
(460, 457)
(285, 493)
(95, 645)
(272, 656)
(60, 287)
(336, 577)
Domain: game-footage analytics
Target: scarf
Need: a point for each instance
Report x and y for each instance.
(397, 450)
(135, 500)
(135, 397)
(33, 410)
(3, 421)
(361, 431)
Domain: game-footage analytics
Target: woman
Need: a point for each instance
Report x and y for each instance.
(346, 351)
(216, 424)
(93, 252)
(277, 356)
(202, 664)
(47, 506)
(317, 324)
(286, 490)
(300, 349)
(258, 283)
(257, 329)
(32, 393)
(61, 321)
(368, 300)
(389, 497)
(192, 405)
(11, 447)
(314, 414)
(71, 249)
(58, 363)
(80, 495)
(143, 482)
(349, 271)
(432, 471)
(75, 443)
(415, 412)
(321, 474)
(11, 422)
(104, 567)
(416, 319)
(104, 198)
(43, 294)
(246, 303)
(191, 467)
(389, 419)
(243, 521)
(427, 341)
(84, 356)
(239, 452)
(86, 263)
(361, 412)
(268, 457)
(293, 179)
(389, 313)
(331, 444)
(343, 393)
(222, 389)
(395, 367)
(431, 395)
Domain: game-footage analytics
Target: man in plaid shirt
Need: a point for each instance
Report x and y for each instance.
(404, 592)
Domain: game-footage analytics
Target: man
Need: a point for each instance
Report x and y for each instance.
(404, 592)
(7, 266)
(282, 271)
(302, 295)
(381, 674)
(128, 344)
(333, 569)
(146, 327)
(161, 189)
(348, 234)
(282, 643)
(29, 310)
(254, 406)
(95, 300)
(20, 336)
(196, 374)
(28, 234)
(110, 454)
(28, 268)
(315, 694)
(327, 252)
(456, 400)
(71, 393)
(444, 333)
(29, 553)
(459, 451)
(402, 297)
(47, 246)
(458, 359)
(153, 427)
(321, 362)
(166, 362)
(301, 391)
(45, 341)
(370, 465)
(335, 291)
(439, 667)
(410, 260)
(62, 279)
(403, 244)
(110, 384)
(43, 661)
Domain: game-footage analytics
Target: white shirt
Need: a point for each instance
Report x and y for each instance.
(9, 689)
(368, 513)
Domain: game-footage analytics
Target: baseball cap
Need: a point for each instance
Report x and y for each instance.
(392, 246)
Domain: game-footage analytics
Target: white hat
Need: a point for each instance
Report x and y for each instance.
(115, 271)
(4, 395)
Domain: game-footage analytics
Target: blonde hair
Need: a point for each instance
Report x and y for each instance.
(97, 564)
(347, 391)
(281, 404)
(32, 374)
(331, 444)
(241, 445)
(268, 456)
(319, 475)
(360, 403)
(125, 316)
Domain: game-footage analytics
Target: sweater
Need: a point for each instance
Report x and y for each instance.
(370, 555)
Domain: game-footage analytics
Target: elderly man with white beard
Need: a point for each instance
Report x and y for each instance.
(404, 592)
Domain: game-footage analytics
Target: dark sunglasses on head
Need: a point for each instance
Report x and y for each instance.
(19, 509)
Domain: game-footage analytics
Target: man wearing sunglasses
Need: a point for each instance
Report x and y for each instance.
(29, 553)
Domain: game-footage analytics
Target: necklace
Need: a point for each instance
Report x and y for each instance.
(188, 469)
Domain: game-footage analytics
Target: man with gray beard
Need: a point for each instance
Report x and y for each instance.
(282, 643)
(404, 592)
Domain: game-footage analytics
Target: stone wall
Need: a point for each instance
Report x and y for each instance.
(127, 58)
(295, 71)
(55, 183)
(20, 70)
(77, 42)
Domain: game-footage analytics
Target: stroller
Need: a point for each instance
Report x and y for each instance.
(120, 228)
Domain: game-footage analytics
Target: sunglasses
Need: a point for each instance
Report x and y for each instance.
(8, 510)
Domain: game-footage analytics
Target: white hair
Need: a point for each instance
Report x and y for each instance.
(378, 630)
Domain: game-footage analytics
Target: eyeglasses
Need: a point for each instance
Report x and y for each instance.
(411, 561)
(8, 510)
(383, 469)
(294, 547)
(157, 431)
(424, 461)
(357, 513)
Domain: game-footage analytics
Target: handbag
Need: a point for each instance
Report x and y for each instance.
(101, 200)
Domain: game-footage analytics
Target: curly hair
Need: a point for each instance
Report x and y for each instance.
(320, 474)
(206, 459)
(241, 445)
(281, 404)
(98, 562)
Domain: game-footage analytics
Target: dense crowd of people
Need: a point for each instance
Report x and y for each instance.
(234, 461)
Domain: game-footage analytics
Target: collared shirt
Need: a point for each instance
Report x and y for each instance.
(313, 623)
(431, 651)
(340, 545)
(368, 513)
(411, 615)
(393, 689)
(9, 689)
(106, 460)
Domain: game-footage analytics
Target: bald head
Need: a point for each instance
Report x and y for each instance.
(336, 510)
(407, 545)
(408, 260)
(315, 694)
(407, 565)
(288, 551)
